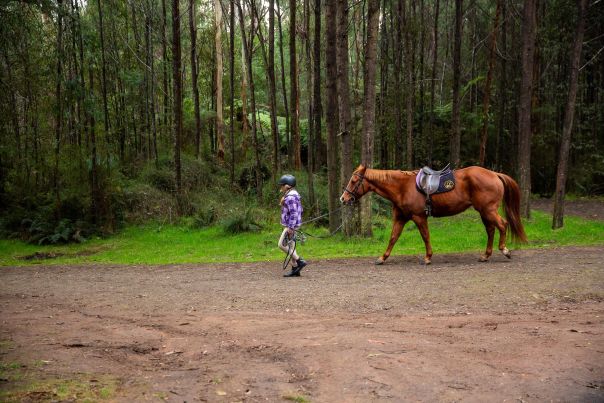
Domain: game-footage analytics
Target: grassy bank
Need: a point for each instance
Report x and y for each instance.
(155, 244)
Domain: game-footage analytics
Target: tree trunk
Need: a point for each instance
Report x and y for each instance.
(164, 55)
(373, 13)
(283, 87)
(247, 52)
(433, 81)
(103, 70)
(569, 114)
(332, 112)
(59, 109)
(193, 34)
(350, 221)
(455, 144)
(293, 78)
(177, 85)
(410, 84)
(309, 91)
(398, 91)
(219, 114)
(487, 87)
(524, 112)
(273, 87)
(317, 100)
(232, 89)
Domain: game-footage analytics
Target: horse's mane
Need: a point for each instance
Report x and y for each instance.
(384, 175)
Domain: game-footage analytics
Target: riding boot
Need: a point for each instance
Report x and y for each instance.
(295, 272)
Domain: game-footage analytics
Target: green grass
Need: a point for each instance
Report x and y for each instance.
(155, 244)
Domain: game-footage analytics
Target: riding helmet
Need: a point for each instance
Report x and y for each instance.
(288, 180)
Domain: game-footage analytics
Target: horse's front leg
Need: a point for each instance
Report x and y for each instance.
(422, 224)
(398, 224)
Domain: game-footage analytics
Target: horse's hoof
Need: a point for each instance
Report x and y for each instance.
(483, 258)
(427, 261)
(379, 262)
(506, 252)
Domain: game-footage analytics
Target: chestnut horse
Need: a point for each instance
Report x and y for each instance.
(475, 186)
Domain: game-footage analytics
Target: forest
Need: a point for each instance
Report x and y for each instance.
(116, 112)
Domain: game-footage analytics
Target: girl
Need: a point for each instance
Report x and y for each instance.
(291, 219)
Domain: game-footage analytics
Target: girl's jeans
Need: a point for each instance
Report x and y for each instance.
(285, 244)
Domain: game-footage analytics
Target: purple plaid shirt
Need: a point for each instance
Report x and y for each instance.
(291, 210)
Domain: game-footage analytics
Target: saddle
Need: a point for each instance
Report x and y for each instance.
(429, 182)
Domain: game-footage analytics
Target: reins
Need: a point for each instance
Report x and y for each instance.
(300, 235)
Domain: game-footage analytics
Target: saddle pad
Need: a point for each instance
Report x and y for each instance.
(434, 184)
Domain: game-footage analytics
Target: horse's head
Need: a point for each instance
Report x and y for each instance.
(356, 186)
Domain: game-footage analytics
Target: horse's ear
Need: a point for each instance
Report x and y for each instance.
(361, 169)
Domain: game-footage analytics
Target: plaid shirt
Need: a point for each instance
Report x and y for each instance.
(291, 210)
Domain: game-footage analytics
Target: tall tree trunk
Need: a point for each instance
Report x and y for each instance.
(283, 87)
(94, 182)
(398, 90)
(350, 221)
(232, 89)
(373, 13)
(272, 87)
(219, 114)
(193, 34)
(524, 113)
(247, 52)
(103, 71)
(502, 90)
(293, 78)
(410, 84)
(59, 108)
(331, 111)
(455, 143)
(177, 85)
(152, 68)
(309, 90)
(164, 55)
(317, 100)
(433, 81)
(487, 87)
(569, 114)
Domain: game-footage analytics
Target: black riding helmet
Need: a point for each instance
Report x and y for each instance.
(288, 180)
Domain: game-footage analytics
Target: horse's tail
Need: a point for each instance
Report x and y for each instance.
(511, 200)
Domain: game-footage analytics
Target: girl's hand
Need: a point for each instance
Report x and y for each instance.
(290, 232)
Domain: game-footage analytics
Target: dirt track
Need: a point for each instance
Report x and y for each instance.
(526, 329)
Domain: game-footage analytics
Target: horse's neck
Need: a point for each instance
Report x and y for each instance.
(387, 182)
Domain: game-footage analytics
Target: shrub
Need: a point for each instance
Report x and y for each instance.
(241, 223)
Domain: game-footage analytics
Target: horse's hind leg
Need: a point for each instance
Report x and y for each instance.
(502, 225)
(398, 224)
(489, 225)
(422, 225)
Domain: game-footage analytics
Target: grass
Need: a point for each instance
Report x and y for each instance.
(25, 385)
(155, 244)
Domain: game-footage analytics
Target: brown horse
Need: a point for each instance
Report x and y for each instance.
(475, 186)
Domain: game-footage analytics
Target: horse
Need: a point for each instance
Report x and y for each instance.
(475, 186)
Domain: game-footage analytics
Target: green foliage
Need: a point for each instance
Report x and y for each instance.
(240, 223)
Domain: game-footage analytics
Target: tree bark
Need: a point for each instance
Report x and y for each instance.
(232, 89)
(487, 87)
(332, 112)
(219, 100)
(293, 78)
(410, 84)
(317, 100)
(524, 112)
(433, 81)
(455, 143)
(177, 85)
(164, 55)
(247, 52)
(373, 13)
(103, 70)
(193, 34)
(283, 87)
(311, 100)
(569, 114)
(273, 88)
(350, 221)
(59, 110)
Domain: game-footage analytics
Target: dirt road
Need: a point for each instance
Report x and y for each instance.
(526, 329)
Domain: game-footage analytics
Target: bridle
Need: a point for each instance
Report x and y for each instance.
(353, 192)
